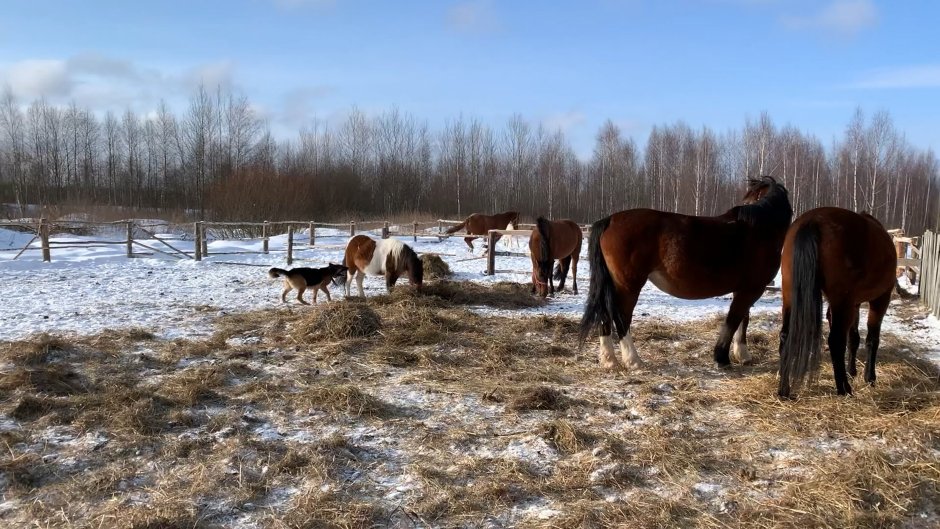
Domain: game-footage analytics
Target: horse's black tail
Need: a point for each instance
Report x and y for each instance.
(601, 305)
(455, 229)
(545, 248)
(802, 348)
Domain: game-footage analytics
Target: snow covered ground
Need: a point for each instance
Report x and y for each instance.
(86, 290)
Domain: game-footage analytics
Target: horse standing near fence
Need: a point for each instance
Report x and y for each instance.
(479, 224)
(550, 240)
(687, 257)
(851, 259)
(389, 257)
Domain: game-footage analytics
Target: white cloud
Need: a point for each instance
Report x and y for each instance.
(38, 77)
(298, 104)
(564, 121)
(841, 17)
(473, 16)
(212, 75)
(922, 76)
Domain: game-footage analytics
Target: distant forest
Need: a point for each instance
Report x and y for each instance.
(220, 161)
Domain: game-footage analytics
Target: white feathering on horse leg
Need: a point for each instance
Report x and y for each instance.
(606, 356)
(739, 347)
(629, 356)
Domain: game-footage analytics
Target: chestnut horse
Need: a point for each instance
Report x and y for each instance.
(687, 257)
(851, 259)
(479, 224)
(388, 257)
(550, 240)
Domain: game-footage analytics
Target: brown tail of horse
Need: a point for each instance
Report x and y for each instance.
(601, 305)
(458, 227)
(545, 247)
(802, 348)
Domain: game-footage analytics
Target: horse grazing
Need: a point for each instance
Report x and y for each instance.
(851, 259)
(687, 257)
(479, 224)
(388, 257)
(550, 240)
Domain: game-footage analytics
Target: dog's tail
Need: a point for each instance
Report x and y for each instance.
(277, 272)
(455, 229)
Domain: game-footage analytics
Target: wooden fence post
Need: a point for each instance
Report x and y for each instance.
(197, 234)
(352, 228)
(414, 231)
(290, 244)
(205, 238)
(385, 233)
(491, 253)
(264, 237)
(130, 239)
(44, 239)
(313, 234)
(440, 226)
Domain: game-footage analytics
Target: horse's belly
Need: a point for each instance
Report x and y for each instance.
(684, 289)
(375, 268)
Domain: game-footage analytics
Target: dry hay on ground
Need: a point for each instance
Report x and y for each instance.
(469, 420)
(434, 266)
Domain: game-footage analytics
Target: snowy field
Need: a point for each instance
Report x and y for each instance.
(87, 290)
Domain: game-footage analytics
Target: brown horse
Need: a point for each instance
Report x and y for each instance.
(388, 257)
(479, 224)
(687, 257)
(851, 259)
(550, 240)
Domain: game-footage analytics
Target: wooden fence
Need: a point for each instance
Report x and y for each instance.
(132, 231)
(930, 272)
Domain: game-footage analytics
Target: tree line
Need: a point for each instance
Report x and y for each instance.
(219, 160)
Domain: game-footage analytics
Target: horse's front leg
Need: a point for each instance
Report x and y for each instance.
(740, 306)
(739, 350)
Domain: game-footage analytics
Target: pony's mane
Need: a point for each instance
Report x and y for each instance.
(773, 209)
(545, 253)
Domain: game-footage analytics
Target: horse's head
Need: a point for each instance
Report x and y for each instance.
(540, 279)
(757, 188)
(415, 269)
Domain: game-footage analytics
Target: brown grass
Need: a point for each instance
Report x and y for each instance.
(435, 267)
(437, 416)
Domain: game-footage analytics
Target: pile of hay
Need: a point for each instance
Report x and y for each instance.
(503, 295)
(435, 267)
(338, 321)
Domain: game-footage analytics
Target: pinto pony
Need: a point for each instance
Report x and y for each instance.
(687, 257)
(389, 257)
(851, 259)
(550, 240)
(479, 224)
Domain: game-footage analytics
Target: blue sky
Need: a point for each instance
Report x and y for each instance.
(569, 65)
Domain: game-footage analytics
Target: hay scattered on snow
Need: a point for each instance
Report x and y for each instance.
(338, 321)
(434, 266)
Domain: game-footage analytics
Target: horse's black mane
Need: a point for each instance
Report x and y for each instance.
(773, 209)
(415, 266)
(545, 253)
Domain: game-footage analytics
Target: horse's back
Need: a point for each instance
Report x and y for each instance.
(856, 253)
(359, 252)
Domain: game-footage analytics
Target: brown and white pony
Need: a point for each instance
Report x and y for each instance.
(550, 240)
(687, 257)
(386, 257)
(851, 259)
(479, 224)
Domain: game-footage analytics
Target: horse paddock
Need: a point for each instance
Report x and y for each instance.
(407, 411)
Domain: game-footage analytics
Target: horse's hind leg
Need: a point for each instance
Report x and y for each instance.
(469, 241)
(574, 273)
(739, 345)
(627, 298)
(360, 276)
(854, 340)
(565, 263)
(876, 313)
(740, 306)
(838, 332)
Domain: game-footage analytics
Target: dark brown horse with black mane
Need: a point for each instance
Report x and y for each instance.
(550, 240)
(851, 259)
(687, 257)
(479, 224)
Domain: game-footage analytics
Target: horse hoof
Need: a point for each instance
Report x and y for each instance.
(723, 365)
(784, 396)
